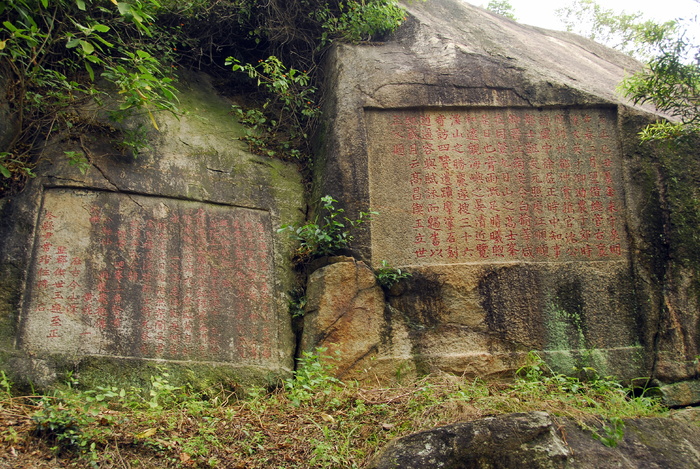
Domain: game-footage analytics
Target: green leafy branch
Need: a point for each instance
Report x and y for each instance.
(671, 82)
(328, 234)
(314, 375)
(54, 51)
(630, 33)
(355, 22)
(388, 276)
(613, 434)
(142, 82)
(288, 116)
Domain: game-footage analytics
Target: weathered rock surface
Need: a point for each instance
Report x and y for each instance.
(680, 394)
(344, 314)
(172, 256)
(511, 182)
(540, 440)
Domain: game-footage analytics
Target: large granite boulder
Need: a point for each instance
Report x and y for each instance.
(346, 314)
(510, 181)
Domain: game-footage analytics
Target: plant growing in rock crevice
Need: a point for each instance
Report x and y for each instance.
(327, 234)
(290, 41)
(388, 276)
(285, 119)
(297, 302)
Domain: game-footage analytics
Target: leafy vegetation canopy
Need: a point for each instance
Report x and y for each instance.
(630, 33)
(53, 53)
(502, 7)
(671, 82)
(671, 79)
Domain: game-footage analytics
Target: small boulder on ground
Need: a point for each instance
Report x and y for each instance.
(540, 440)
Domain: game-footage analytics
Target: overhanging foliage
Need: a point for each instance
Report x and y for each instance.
(53, 52)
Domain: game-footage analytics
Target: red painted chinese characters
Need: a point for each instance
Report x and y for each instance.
(499, 185)
(161, 278)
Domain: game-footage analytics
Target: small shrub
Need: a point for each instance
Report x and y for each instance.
(285, 119)
(162, 393)
(388, 276)
(63, 425)
(613, 434)
(78, 160)
(297, 302)
(313, 376)
(5, 386)
(327, 235)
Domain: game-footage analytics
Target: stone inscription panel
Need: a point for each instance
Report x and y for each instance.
(495, 185)
(127, 275)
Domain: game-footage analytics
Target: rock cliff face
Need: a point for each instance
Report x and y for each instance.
(510, 181)
(172, 257)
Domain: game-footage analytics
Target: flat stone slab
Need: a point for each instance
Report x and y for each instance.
(135, 276)
(465, 185)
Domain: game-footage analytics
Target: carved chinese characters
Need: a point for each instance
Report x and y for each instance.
(127, 275)
(495, 185)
